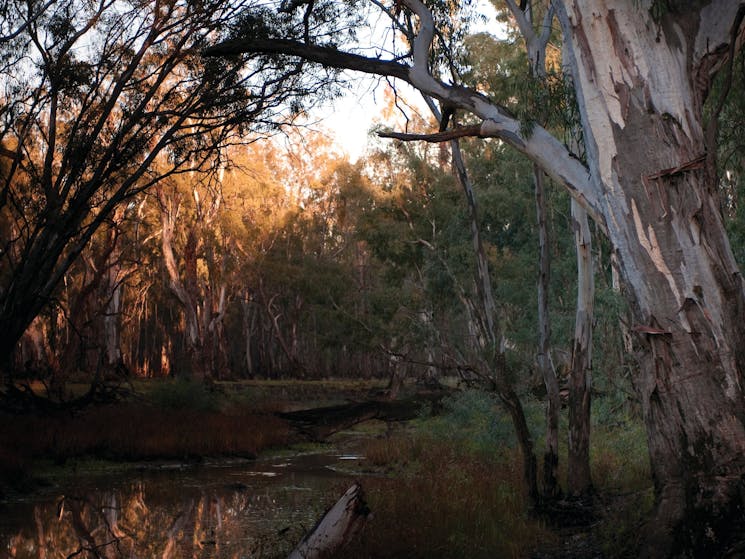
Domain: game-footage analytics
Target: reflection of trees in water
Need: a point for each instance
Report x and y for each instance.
(117, 524)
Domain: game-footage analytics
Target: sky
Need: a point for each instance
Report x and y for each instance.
(349, 118)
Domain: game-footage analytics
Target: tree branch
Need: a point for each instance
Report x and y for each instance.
(462, 132)
(715, 32)
(329, 57)
(541, 147)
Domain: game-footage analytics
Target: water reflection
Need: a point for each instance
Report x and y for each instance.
(222, 512)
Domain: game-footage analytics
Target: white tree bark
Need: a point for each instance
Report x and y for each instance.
(337, 527)
(641, 87)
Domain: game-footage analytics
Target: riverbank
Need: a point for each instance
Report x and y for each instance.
(162, 420)
(439, 486)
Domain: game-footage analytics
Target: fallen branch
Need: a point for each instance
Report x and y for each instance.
(337, 527)
(320, 423)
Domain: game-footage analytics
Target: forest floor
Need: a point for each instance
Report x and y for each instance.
(444, 484)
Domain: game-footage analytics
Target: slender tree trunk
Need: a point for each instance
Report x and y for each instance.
(112, 318)
(551, 488)
(111, 292)
(511, 401)
(647, 147)
(505, 391)
(579, 481)
(273, 314)
(184, 290)
(249, 324)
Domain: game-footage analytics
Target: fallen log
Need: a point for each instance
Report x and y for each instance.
(319, 423)
(337, 527)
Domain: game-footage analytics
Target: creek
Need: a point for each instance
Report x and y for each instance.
(223, 510)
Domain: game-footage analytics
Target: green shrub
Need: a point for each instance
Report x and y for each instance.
(474, 420)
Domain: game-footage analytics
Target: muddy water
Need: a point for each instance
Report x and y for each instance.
(222, 510)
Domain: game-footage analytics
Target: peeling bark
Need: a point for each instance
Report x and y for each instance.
(645, 140)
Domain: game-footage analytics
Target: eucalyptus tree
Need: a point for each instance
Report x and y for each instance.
(100, 101)
(642, 71)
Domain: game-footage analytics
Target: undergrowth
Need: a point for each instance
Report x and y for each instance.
(455, 486)
(447, 503)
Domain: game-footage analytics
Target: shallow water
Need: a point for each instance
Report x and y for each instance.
(226, 510)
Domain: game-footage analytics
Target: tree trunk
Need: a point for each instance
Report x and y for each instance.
(249, 325)
(579, 482)
(183, 290)
(511, 401)
(504, 388)
(111, 291)
(551, 488)
(647, 151)
(35, 355)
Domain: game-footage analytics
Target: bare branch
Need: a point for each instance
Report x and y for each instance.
(462, 132)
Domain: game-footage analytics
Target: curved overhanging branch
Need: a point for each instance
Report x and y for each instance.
(555, 160)
(540, 146)
(328, 57)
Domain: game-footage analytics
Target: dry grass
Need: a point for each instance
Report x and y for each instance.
(445, 504)
(134, 432)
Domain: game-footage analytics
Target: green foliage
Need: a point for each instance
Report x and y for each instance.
(473, 420)
(548, 101)
(619, 455)
(731, 151)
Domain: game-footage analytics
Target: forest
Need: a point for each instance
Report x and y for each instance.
(516, 321)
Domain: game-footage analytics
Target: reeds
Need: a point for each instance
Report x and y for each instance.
(446, 503)
(135, 432)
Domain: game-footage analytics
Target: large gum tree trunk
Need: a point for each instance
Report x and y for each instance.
(641, 86)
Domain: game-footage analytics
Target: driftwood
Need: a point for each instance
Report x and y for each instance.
(319, 423)
(337, 527)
